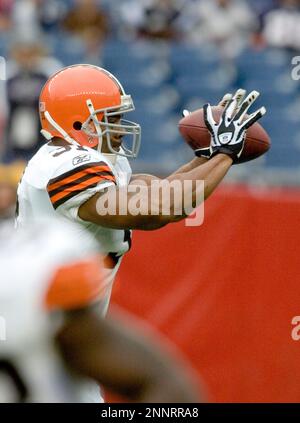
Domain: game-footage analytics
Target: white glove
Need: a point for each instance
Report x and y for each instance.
(228, 136)
(239, 95)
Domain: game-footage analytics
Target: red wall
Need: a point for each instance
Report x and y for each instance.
(226, 292)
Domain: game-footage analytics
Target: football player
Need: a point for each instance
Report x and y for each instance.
(82, 110)
(52, 342)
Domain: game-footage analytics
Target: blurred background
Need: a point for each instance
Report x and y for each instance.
(229, 313)
(169, 55)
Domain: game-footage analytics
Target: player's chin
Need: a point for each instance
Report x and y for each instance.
(116, 145)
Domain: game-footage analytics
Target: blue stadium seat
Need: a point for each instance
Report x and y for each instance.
(192, 61)
(69, 50)
(120, 54)
(263, 67)
(285, 149)
(282, 157)
(281, 127)
(135, 71)
(269, 85)
(251, 58)
(198, 87)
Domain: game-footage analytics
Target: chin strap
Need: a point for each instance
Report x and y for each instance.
(58, 128)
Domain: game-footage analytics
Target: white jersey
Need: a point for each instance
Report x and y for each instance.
(59, 179)
(35, 277)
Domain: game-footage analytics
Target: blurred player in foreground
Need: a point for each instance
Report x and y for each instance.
(85, 161)
(48, 284)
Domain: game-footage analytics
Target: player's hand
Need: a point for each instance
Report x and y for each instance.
(239, 95)
(228, 136)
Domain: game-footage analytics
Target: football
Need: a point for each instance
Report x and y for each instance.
(195, 133)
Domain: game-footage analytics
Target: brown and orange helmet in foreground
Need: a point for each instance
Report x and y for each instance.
(76, 104)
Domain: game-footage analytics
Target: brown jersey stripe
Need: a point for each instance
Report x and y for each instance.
(76, 169)
(75, 182)
(71, 195)
(81, 186)
(67, 197)
(76, 174)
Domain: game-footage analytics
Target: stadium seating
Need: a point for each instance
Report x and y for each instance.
(163, 79)
(166, 77)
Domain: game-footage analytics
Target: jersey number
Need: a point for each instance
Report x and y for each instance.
(66, 148)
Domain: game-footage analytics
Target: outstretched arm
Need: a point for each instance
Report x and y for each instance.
(197, 161)
(211, 172)
(135, 209)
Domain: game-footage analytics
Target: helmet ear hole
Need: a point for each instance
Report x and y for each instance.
(77, 125)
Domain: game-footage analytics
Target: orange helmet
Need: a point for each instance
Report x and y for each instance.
(79, 95)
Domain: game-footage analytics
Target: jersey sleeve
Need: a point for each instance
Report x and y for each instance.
(88, 178)
(75, 285)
